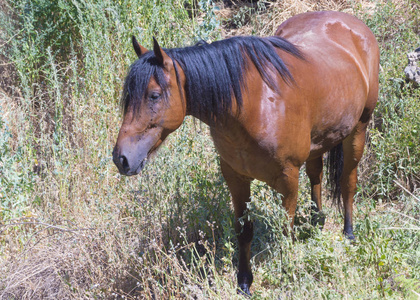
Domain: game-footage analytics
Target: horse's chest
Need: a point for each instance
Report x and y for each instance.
(246, 156)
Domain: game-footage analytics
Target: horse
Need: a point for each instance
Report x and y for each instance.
(272, 105)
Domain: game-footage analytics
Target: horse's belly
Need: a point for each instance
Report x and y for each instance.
(326, 135)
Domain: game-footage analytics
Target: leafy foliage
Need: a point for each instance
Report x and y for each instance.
(395, 138)
(16, 185)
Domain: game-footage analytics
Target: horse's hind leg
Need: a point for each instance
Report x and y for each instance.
(353, 147)
(239, 187)
(314, 172)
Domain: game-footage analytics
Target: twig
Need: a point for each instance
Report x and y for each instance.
(397, 212)
(10, 39)
(44, 224)
(410, 193)
(6, 64)
(399, 228)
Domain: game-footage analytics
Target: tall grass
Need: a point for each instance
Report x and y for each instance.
(72, 227)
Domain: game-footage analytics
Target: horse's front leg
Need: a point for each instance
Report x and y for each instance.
(287, 185)
(239, 187)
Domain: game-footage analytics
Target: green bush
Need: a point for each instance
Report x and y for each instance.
(16, 183)
(395, 138)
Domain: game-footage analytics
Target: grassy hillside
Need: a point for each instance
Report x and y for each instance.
(72, 227)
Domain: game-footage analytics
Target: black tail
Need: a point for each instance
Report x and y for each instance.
(335, 169)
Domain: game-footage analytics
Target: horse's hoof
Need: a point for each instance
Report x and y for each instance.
(243, 290)
(350, 236)
(244, 282)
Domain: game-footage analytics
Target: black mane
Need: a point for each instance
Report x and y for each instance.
(214, 72)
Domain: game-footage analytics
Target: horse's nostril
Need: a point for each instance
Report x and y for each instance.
(124, 162)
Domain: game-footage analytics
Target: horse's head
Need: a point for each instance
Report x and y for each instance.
(153, 107)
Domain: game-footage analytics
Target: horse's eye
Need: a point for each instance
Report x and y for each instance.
(154, 96)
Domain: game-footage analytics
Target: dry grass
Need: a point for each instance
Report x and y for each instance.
(264, 20)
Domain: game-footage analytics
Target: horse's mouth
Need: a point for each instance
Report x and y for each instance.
(123, 163)
(141, 166)
(143, 162)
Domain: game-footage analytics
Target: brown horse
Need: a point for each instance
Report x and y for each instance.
(272, 104)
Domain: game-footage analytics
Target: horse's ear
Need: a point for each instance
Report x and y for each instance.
(140, 50)
(162, 57)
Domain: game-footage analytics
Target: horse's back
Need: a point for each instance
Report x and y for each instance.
(312, 25)
(327, 33)
(339, 79)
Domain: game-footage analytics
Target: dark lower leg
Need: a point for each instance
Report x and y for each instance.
(245, 233)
